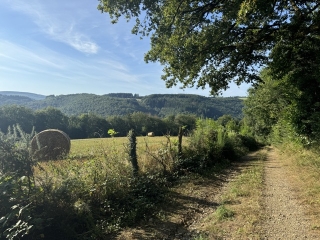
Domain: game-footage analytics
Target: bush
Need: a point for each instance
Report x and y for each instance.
(16, 184)
(212, 144)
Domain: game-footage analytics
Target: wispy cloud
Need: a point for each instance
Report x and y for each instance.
(59, 27)
(17, 54)
(47, 64)
(113, 64)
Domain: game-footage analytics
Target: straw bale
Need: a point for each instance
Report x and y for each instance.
(150, 134)
(50, 144)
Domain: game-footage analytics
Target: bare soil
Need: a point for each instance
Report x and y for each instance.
(282, 215)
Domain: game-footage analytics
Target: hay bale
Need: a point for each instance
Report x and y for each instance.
(150, 134)
(50, 144)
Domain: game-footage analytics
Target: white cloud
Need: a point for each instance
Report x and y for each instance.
(59, 26)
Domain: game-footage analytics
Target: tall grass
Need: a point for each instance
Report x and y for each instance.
(98, 175)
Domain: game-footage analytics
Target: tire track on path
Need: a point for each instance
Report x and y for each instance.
(284, 217)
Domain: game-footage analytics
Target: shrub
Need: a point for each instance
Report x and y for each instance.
(16, 184)
(205, 147)
(212, 144)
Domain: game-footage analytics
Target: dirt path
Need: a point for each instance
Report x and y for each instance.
(284, 215)
(180, 217)
(183, 217)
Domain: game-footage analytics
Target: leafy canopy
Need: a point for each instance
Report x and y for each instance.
(209, 43)
(269, 102)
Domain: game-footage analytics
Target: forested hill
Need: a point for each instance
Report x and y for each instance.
(122, 104)
(168, 104)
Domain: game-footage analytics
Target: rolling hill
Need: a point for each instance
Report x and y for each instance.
(119, 104)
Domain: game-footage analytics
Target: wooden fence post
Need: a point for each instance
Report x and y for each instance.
(180, 142)
(133, 152)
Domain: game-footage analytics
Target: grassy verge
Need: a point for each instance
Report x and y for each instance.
(239, 209)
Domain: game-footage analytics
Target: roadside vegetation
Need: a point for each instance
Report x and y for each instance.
(94, 192)
(286, 116)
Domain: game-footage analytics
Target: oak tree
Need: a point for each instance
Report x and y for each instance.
(209, 43)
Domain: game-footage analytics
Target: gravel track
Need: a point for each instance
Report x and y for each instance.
(284, 216)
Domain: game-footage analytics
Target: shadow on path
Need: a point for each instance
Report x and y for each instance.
(186, 203)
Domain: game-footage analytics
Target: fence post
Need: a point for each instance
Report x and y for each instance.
(133, 152)
(180, 142)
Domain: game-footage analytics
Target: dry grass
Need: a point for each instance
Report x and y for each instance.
(94, 159)
(304, 171)
(202, 207)
(98, 167)
(147, 149)
(239, 210)
(94, 145)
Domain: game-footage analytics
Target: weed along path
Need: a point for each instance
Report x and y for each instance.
(284, 216)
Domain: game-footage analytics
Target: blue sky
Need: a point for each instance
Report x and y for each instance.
(65, 47)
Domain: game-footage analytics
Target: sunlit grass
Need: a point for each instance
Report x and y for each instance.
(239, 207)
(97, 172)
(93, 161)
(99, 146)
(223, 213)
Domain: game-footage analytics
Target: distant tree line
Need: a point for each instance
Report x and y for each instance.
(123, 95)
(91, 125)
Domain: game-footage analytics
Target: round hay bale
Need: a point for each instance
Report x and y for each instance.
(150, 134)
(50, 144)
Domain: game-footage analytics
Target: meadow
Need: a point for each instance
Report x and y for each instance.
(96, 146)
(96, 161)
(96, 179)
(150, 152)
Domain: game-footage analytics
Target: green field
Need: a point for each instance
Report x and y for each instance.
(94, 160)
(97, 172)
(98, 146)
